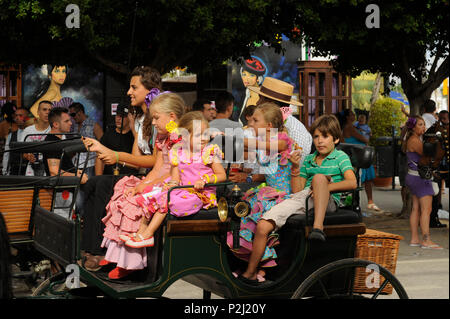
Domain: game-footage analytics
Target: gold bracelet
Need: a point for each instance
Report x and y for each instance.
(215, 178)
(206, 177)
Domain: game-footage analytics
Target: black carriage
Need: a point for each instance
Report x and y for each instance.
(194, 248)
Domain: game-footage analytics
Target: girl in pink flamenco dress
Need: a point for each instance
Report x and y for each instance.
(190, 165)
(124, 213)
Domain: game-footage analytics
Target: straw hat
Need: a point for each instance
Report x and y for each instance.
(277, 90)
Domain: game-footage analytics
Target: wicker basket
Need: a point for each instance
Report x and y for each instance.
(381, 248)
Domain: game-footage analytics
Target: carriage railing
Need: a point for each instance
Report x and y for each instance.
(66, 146)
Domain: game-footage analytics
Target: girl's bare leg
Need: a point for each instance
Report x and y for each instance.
(321, 196)
(155, 223)
(263, 229)
(425, 211)
(143, 225)
(414, 220)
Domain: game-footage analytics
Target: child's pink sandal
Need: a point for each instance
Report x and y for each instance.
(126, 237)
(140, 242)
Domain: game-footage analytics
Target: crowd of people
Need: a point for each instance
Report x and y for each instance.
(131, 166)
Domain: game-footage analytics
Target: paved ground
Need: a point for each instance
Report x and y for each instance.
(423, 273)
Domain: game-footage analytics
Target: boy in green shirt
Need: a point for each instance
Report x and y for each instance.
(324, 171)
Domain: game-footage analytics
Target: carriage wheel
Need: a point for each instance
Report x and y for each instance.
(342, 273)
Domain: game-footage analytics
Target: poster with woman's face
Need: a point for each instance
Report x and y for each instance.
(263, 62)
(62, 84)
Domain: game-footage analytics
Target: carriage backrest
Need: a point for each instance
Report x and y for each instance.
(20, 195)
(361, 156)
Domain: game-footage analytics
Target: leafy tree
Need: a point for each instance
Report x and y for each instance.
(167, 33)
(408, 31)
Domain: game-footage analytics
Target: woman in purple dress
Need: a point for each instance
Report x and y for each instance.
(421, 189)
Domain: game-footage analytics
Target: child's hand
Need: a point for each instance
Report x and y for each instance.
(140, 187)
(130, 192)
(295, 157)
(199, 185)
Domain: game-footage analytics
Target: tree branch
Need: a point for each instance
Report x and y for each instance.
(433, 82)
(436, 59)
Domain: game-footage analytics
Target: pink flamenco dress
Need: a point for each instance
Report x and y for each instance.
(187, 201)
(277, 171)
(123, 216)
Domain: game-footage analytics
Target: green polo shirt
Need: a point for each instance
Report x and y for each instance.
(334, 165)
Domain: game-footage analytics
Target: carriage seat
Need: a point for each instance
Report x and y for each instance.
(340, 217)
(207, 221)
(361, 156)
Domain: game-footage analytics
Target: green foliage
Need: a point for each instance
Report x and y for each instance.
(168, 33)
(408, 29)
(384, 114)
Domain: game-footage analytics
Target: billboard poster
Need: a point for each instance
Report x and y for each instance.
(263, 62)
(64, 85)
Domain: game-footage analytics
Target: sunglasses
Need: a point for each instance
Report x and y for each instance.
(73, 114)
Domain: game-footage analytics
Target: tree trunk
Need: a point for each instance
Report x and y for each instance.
(418, 91)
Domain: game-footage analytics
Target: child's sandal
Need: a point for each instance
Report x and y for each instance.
(125, 237)
(140, 242)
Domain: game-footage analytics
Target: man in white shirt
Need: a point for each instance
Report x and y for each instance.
(35, 133)
(429, 114)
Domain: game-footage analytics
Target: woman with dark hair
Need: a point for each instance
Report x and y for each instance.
(57, 76)
(145, 85)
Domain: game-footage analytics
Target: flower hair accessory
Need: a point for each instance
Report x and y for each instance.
(286, 111)
(411, 123)
(152, 94)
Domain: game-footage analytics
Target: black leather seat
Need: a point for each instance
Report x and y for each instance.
(340, 217)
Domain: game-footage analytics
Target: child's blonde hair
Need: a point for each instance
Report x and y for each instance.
(187, 120)
(164, 103)
(272, 114)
